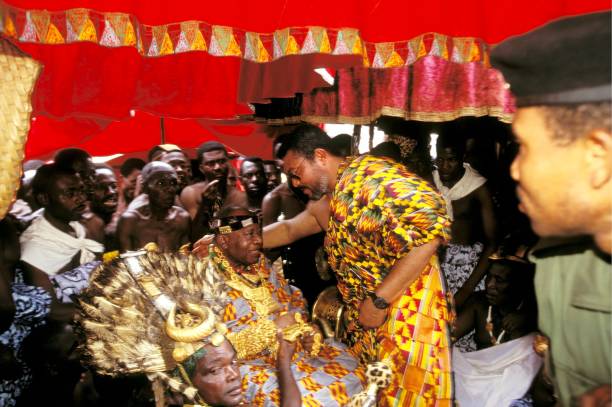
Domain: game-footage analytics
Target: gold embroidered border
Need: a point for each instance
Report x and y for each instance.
(113, 29)
(497, 112)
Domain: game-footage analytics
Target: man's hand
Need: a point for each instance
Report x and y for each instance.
(285, 320)
(371, 317)
(598, 397)
(210, 191)
(308, 339)
(286, 350)
(200, 248)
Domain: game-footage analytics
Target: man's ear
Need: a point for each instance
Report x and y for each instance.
(321, 154)
(599, 158)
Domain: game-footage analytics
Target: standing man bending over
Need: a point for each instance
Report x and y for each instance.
(384, 228)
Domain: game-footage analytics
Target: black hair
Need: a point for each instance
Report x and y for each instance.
(453, 142)
(304, 140)
(570, 123)
(67, 157)
(255, 160)
(341, 145)
(209, 146)
(46, 176)
(130, 165)
(387, 149)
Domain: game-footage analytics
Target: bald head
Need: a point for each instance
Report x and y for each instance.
(155, 167)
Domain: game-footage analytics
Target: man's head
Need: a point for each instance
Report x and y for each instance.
(341, 145)
(563, 124)
(307, 160)
(450, 157)
(238, 235)
(253, 177)
(508, 281)
(130, 170)
(273, 174)
(217, 376)
(387, 149)
(214, 161)
(180, 162)
(60, 191)
(105, 195)
(80, 162)
(157, 152)
(160, 183)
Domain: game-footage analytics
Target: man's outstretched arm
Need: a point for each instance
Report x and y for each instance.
(288, 231)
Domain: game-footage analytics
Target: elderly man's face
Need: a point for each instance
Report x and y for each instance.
(552, 188)
(217, 376)
(243, 246)
(161, 188)
(498, 284)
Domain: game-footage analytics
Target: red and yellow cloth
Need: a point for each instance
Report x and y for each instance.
(379, 212)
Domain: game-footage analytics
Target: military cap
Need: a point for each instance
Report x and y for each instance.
(561, 63)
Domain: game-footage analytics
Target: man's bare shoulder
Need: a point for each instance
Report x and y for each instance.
(196, 188)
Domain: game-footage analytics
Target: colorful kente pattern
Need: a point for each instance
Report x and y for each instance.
(330, 379)
(379, 212)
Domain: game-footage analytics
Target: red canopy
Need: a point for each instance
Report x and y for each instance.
(180, 59)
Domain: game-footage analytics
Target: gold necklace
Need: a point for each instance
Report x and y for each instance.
(258, 296)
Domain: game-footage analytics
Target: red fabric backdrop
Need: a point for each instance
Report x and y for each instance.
(86, 80)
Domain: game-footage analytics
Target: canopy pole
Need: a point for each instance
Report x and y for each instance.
(356, 139)
(162, 131)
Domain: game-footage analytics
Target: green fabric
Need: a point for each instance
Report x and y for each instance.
(190, 363)
(574, 293)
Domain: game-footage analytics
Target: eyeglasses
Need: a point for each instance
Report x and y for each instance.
(293, 173)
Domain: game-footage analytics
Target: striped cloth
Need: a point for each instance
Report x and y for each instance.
(379, 212)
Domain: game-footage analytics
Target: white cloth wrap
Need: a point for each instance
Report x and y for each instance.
(470, 181)
(49, 249)
(495, 376)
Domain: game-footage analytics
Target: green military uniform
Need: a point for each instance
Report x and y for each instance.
(573, 284)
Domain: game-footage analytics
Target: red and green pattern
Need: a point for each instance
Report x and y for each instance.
(379, 212)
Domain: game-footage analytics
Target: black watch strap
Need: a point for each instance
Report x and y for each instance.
(379, 302)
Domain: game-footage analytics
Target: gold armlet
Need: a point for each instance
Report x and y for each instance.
(255, 339)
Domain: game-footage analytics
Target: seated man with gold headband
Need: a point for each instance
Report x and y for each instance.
(261, 301)
(158, 314)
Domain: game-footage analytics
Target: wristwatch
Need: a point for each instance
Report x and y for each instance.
(379, 302)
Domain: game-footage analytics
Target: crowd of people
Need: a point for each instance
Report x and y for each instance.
(152, 284)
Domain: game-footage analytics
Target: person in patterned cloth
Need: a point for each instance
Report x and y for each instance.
(384, 225)
(24, 307)
(262, 301)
